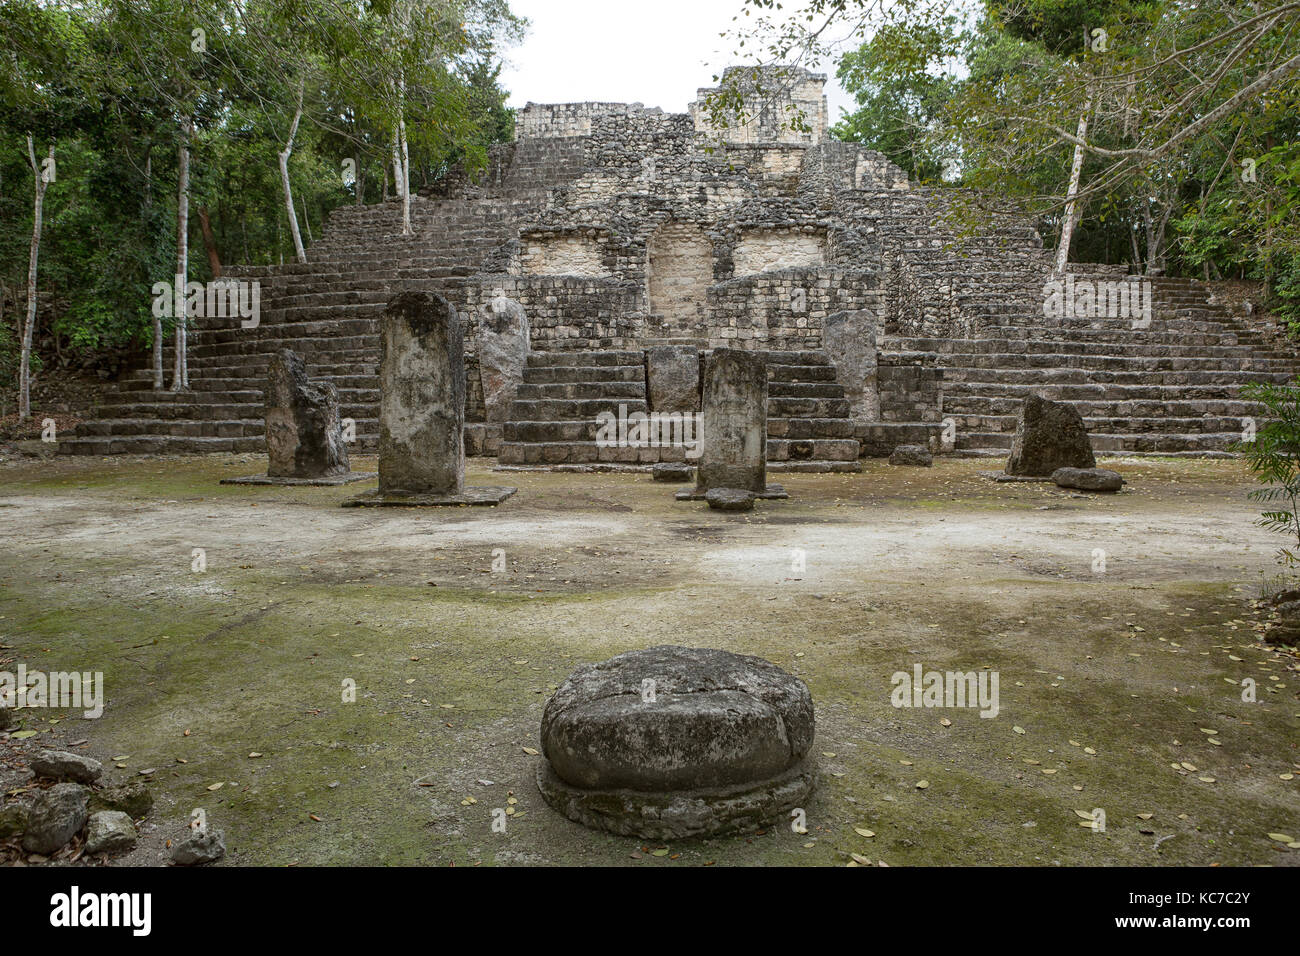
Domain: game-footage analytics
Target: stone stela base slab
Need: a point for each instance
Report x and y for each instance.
(684, 813)
(1003, 478)
(773, 493)
(327, 481)
(470, 496)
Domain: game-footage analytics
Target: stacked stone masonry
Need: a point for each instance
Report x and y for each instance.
(618, 228)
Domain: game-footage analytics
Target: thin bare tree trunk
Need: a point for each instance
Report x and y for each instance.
(406, 158)
(306, 221)
(1157, 252)
(299, 253)
(180, 372)
(359, 185)
(25, 356)
(399, 189)
(157, 319)
(209, 243)
(1149, 227)
(1071, 202)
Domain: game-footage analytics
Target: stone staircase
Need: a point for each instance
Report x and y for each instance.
(1171, 389)
(327, 310)
(553, 421)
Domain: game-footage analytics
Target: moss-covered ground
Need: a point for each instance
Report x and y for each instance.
(228, 685)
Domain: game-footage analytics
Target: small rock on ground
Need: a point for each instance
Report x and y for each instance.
(61, 765)
(1088, 479)
(730, 499)
(55, 817)
(109, 830)
(201, 846)
(675, 471)
(133, 799)
(13, 821)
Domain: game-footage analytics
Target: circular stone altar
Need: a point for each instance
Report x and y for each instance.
(672, 742)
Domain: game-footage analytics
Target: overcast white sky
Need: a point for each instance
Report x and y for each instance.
(658, 52)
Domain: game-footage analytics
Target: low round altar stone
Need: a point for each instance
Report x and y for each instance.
(677, 741)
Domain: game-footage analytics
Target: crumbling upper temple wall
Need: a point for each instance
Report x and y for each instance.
(782, 105)
(627, 225)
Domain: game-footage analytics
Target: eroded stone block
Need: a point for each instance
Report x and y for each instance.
(422, 397)
(850, 340)
(1049, 435)
(673, 378)
(734, 422)
(304, 438)
(676, 741)
(503, 345)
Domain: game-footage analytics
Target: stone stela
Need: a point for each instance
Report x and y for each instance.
(734, 407)
(304, 436)
(422, 408)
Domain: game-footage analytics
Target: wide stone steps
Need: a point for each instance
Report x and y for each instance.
(583, 374)
(554, 409)
(986, 381)
(1012, 360)
(581, 390)
(1163, 443)
(1082, 345)
(591, 453)
(553, 420)
(1113, 425)
(1125, 399)
(122, 427)
(157, 445)
(1070, 352)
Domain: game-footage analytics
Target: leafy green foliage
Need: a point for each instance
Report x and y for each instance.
(1274, 459)
(106, 81)
(902, 89)
(1003, 91)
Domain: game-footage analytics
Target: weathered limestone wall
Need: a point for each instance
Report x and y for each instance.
(575, 254)
(545, 120)
(937, 281)
(767, 250)
(784, 309)
(567, 312)
(777, 100)
(679, 272)
(909, 392)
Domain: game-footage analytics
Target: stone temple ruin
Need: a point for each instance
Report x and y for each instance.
(606, 251)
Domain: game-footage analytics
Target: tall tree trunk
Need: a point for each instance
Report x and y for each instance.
(299, 253)
(25, 357)
(1156, 254)
(1149, 227)
(209, 242)
(180, 371)
(1072, 192)
(157, 319)
(406, 158)
(359, 185)
(306, 221)
(399, 189)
